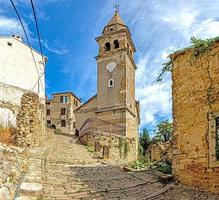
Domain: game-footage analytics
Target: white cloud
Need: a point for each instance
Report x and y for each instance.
(155, 98)
(10, 26)
(57, 50)
(208, 28)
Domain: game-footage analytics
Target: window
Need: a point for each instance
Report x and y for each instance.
(63, 111)
(74, 124)
(111, 29)
(48, 112)
(49, 122)
(76, 104)
(9, 44)
(107, 46)
(63, 99)
(63, 124)
(217, 138)
(116, 44)
(48, 103)
(66, 99)
(111, 83)
(213, 139)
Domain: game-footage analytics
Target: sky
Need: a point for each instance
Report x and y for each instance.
(69, 27)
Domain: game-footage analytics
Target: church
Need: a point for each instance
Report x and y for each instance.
(113, 109)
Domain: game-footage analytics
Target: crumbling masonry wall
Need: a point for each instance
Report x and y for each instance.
(29, 121)
(195, 103)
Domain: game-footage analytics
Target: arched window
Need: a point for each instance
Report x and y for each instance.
(107, 46)
(111, 83)
(116, 44)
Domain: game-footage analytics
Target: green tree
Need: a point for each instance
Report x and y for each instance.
(144, 140)
(163, 131)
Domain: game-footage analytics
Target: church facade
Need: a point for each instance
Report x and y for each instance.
(113, 109)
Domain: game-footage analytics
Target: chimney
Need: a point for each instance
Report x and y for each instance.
(18, 37)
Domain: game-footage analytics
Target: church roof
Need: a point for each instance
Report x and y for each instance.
(116, 19)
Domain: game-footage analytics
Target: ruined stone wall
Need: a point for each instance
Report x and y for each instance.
(29, 121)
(13, 163)
(195, 100)
(120, 148)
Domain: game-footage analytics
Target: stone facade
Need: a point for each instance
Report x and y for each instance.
(159, 151)
(30, 127)
(195, 112)
(19, 74)
(60, 111)
(115, 100)
(119, 148)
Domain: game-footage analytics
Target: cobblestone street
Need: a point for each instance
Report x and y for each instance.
(72, 172)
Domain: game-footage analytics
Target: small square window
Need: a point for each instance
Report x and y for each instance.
(9, 44)
(49, 122)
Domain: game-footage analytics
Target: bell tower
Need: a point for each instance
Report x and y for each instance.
(116, 67)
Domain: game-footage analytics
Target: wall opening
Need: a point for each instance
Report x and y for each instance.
(111, 83)
(116, 44)
(63, 123)
(107, 46)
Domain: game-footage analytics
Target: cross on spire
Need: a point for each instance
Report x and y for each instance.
(117, 6)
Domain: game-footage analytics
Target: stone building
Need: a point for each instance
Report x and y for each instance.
(21, 71)
(159, 151)
(195, 78)
(114, 108)
(60, 111)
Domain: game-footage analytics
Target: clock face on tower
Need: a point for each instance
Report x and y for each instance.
(111, 66)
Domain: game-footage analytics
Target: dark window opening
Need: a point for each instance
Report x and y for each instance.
(111, 29)
(48, 112)
(48, 103)
(217, 138)
(63, 124)
(49, 122)
(74, 125)
(111, 83)
(107, 46)
(116, 44)
(63, 111)
(61, 99)
(9, 44)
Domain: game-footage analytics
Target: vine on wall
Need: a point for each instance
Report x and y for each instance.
(199, 47)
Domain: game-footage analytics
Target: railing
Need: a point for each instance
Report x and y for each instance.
(93, 124)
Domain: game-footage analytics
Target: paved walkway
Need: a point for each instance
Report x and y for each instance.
(67, 170)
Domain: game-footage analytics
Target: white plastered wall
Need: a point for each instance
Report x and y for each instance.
(18, 74)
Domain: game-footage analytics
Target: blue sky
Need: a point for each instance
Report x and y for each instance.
(68, 29)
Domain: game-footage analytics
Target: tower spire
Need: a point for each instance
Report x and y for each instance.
(117, 6)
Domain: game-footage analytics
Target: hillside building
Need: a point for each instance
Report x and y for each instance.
(60, 111)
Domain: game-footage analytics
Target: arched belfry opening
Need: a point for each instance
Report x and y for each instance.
(116, 44)
(107, 46)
